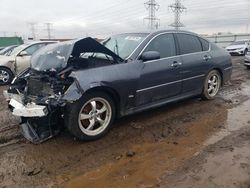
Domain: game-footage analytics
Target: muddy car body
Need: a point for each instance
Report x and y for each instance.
(85, 84)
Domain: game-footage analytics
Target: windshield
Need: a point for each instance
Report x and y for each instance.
(239, 43)
(123, 45)
(52, 57)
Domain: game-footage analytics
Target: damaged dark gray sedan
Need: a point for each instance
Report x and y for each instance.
(84, 85)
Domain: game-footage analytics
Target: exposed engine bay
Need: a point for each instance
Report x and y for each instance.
(37, 95)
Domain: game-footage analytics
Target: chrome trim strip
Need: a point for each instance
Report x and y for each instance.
(228, 68)
(153, 87)
(199, 76)
(169, 83)
(169, 32)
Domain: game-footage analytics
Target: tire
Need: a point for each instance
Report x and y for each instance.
(84, 119)
(248, 67)
(211, 85)
(6, 76)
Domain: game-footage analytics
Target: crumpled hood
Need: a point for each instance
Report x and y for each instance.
(232, 47)
(56, 56)
(91, 45)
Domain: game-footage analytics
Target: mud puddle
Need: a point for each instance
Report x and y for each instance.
(152, 160)
(237, 118)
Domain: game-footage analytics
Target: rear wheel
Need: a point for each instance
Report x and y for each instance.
(91, 117)
(212, 85)
(6, 76)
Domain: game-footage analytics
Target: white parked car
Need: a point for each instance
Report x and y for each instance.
(239, 47)
(18, 60)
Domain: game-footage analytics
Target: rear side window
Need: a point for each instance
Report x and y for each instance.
(188, 44)
(164, 44)
(205, 44)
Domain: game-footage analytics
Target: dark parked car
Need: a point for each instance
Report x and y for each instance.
(86, 85)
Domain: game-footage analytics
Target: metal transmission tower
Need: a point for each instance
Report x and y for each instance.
(152, 6)
(33, 30)
(49, 28)
(178, 9)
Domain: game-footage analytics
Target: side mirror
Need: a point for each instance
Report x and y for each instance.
(150, 55)
(23, 53)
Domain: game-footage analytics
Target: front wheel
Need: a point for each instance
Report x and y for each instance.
(91, 117)
(212, 85)
(6, 76)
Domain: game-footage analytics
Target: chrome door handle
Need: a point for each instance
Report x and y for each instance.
(176, 64)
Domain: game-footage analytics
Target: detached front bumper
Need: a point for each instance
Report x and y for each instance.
(38, 122)
(29, 110)
(21, 110)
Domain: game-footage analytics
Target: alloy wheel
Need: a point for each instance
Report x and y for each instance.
(4, 76)
(95, 116)
(214, 83)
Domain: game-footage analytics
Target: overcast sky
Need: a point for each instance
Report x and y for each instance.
(78, 18)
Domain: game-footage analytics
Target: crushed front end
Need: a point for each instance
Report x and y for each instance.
(40, 95)
(36, 97)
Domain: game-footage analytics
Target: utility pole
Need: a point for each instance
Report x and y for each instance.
(49, 28)
(33, 30)
(153, 22)
(177, 8)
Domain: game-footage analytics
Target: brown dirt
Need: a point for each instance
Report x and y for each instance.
(150, 149)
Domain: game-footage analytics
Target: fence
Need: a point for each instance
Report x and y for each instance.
(225, 40)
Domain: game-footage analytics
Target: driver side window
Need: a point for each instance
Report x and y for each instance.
(164, 44)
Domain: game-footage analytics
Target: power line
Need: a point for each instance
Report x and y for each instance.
(152, 6)
(177, 8)
(49, 28)
(33, 30)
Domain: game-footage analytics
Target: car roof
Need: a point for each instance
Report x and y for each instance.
(38, 42)
(161, 31)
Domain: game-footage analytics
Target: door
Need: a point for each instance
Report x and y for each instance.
(23, 58)
(160, 79)
(196, 61)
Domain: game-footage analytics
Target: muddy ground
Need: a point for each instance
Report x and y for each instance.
(192, 143)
